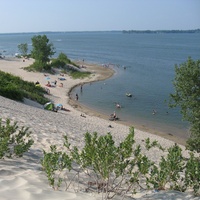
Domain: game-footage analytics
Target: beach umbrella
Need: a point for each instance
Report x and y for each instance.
(59, 105)
(47, 78)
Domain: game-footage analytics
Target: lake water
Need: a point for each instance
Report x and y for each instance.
(149, 60)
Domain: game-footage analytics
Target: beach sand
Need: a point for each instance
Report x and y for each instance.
(22, 178)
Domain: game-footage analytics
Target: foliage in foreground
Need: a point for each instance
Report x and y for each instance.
(13, 87)
(118, 169)
(187, 96)
(14, 142)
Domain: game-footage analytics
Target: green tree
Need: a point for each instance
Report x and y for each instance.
(187, 96)
(42, 51)
(23, 49)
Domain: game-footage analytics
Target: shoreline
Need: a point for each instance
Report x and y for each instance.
(92, 112)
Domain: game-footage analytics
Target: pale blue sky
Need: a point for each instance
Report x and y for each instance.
(98, 15)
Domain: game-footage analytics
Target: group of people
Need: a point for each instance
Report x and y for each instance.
(60, 107)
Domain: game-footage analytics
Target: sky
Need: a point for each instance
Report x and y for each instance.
(98, 15)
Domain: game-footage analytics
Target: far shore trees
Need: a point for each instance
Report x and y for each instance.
(41, 52)
(187, 96)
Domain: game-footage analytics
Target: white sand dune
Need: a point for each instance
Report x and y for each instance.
(23, 178)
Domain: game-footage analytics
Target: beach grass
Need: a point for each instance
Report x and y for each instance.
(79, 75)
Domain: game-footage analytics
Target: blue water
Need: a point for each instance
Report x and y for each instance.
(149, 60)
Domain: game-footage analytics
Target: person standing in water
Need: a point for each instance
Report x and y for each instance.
(81, 88)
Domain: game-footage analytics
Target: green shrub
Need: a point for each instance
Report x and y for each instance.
(192, 174)
(12, 92)
(118, 169)
(36, 66)
(53, 164)
(58, 63)
(14, 142)
(169, 170)
(105, 164)
(102, 155)
(15, 88)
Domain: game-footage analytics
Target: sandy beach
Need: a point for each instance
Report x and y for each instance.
(22, 178)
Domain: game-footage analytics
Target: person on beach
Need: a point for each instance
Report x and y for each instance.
(82, 115)
(47, 90)
(37, 83)
(114, 116)
(61, 85)
(62, 108)
(76, 97)
(48, 84)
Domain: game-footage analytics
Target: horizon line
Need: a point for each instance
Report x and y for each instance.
(145, 30)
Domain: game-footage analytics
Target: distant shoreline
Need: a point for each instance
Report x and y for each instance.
(162, 31)
(119, 31)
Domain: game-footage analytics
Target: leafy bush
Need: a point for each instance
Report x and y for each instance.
(108, 167)
(12, 92)
(15, 88)
(118, 169)
(14, 142)
(169, 170)
(62, 61)
(58, 63)
(53, 164)
(38, 66)
(192, 173)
